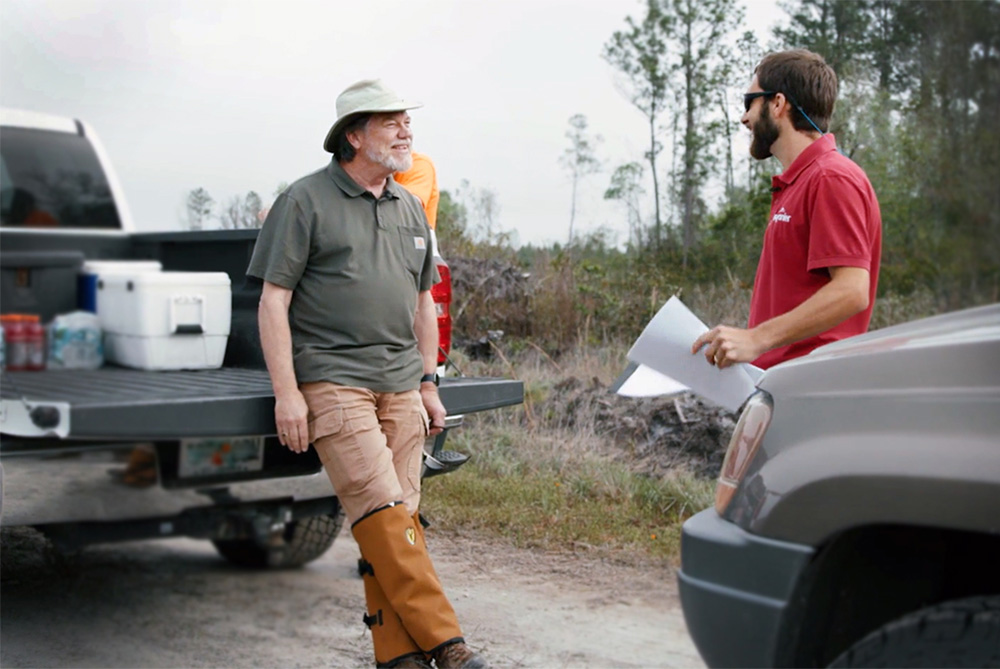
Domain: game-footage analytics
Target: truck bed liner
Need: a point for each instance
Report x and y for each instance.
(115, 403)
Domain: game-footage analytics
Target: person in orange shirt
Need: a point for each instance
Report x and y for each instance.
(24, 211)
(421, 180)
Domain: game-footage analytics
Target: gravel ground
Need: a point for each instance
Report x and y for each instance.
(175, 603)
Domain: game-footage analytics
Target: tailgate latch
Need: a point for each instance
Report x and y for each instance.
(23, 418)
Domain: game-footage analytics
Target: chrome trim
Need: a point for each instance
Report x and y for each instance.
(11, 117)
(17, 419)
(66, 232)
(76, 486)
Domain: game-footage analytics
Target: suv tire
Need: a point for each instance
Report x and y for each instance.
(959, 633)
(305, 540)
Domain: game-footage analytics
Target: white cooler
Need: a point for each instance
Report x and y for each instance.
(93, 270)
(102, 267)
(165, 320)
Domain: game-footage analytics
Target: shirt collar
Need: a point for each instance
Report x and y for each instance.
(825, 144)
(351, 188)
(392, 188)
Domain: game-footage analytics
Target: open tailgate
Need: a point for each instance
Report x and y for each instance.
(114, 403)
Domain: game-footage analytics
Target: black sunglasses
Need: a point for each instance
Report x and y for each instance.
(748, 98)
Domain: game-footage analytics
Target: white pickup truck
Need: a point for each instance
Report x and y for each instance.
(102, 455)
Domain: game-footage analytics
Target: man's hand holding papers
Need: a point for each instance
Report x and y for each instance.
(665, 347)
(725, 346)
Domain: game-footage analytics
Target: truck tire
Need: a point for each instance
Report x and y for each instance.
(959, 633)
(305, 540)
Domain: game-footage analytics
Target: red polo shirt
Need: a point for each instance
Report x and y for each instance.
(823, 214)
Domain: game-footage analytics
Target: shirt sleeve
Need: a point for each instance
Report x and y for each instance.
(282, 249)
(839, 232)
(428, 273)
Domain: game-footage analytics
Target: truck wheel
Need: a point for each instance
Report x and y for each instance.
(305, 540)
(960, 633)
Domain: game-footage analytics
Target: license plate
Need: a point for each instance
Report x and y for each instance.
(220, 456)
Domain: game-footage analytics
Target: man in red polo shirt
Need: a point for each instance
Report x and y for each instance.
(818, 268)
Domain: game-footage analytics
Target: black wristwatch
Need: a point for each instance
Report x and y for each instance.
(431, 378)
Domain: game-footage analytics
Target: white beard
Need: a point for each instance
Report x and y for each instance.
(390, 161)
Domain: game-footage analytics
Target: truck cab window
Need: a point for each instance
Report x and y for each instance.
(52, 179)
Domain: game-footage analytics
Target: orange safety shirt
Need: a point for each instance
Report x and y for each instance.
(421, 180)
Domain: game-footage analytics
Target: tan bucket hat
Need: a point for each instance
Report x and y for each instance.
(365, 97)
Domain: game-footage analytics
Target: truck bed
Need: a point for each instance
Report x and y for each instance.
(118, 403)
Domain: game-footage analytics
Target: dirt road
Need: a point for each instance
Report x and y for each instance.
(174, 603)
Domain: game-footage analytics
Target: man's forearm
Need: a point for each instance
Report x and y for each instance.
(291, 412)
(276, 342)
(425, 328)
(844, 296)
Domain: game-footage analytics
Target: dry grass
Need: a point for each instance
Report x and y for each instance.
(542, 476)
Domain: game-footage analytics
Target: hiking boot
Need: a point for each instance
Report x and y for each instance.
(458, 656)
(410, 662)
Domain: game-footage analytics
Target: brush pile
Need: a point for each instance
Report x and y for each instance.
(654, 435)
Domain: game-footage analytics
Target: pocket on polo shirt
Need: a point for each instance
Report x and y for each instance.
(414, 248)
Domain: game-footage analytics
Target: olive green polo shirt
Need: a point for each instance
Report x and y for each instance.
(355, 265)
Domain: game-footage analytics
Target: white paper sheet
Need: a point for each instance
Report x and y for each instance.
(643, 381)
(665, 348)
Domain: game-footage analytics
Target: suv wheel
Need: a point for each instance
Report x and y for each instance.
(305, 540)
(960, 633)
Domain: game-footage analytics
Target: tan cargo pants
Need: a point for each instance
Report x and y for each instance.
(371, 444)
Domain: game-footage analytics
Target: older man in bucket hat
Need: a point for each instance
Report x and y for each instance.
(349, 334)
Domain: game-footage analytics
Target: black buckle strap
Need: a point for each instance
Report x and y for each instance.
(372, 620)
(374, 511)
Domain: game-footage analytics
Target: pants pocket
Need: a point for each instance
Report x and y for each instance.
(355, 457)
(329, 423)
(416, 461)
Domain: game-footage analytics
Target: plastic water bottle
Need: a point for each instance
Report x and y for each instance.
(75, 341)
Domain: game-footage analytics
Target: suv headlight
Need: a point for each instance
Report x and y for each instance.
(747, 437)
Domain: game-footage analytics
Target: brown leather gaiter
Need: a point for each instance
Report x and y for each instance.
(391, 543)
(389, 638)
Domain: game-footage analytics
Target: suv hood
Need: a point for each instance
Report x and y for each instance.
(950, 351)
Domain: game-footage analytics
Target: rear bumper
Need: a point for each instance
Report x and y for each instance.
(89, 484)
(735, 588)
(86, 482)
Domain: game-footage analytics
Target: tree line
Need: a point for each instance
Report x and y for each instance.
(919, 95)
(919, 91)
(202, 212)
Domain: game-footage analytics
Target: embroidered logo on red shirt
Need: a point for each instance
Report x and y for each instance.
(782, 216)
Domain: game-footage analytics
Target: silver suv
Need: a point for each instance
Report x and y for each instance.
(857, 515)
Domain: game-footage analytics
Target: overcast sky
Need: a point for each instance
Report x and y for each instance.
(237, 95)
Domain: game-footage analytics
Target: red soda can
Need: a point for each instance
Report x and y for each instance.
(16, 340)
